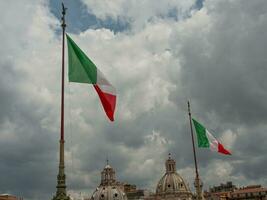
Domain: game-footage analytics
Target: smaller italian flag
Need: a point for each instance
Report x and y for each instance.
(206, 140)
(83, 70)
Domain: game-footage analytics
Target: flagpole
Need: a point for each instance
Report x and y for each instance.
(61, 193)
(198, 184)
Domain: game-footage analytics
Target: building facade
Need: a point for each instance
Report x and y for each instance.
(221, 192)
(253, 192)
(229, 191)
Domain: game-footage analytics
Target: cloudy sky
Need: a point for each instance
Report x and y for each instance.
(158, 54)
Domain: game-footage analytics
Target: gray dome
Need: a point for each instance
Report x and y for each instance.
(108, 193)
(172, 182)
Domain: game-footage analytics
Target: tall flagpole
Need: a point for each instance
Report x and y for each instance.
(198, 184)
(61, 193)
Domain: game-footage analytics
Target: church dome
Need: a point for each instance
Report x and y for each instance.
(171, 182)
(109, 188)
(108, 193)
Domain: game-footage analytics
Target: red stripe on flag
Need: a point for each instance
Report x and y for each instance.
(222, 150)
(108, 101)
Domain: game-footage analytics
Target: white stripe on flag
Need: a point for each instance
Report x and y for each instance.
(108, 89)
(212, 140)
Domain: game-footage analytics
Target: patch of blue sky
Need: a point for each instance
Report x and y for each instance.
(188, 14)
(79, 19)
(177, 15)
(173, 13)
(199, 4)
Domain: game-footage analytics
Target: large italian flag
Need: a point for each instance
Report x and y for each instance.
(207, 140)
(83, 70)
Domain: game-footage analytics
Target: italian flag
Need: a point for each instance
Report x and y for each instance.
(206, 140)
(83, 70)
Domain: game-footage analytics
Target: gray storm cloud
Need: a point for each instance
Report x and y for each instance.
(215, 56)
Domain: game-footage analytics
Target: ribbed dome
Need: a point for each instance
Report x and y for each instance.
(108, 193)
(109, 188)
(171, 182)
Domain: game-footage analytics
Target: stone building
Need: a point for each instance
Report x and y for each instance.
(224, 187)
(253, 192)
(229, 191)
(220, 192)
(132, 192)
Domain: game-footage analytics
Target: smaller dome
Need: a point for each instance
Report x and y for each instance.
(109, 188)
(171, 182)
(109, 193)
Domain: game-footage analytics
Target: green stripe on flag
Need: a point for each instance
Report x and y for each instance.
(81, 68)
(201, 135)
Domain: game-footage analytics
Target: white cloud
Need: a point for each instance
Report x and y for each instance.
(229, 138)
